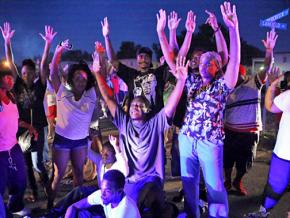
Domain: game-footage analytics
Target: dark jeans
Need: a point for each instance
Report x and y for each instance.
(148, 194)
(73, 196)
(13, 176)
(34, 161)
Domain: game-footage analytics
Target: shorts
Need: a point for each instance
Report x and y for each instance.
(62, 143)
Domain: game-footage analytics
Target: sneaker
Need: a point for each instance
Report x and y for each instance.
(228, 185)
(262, 213)
(24, 212)
(240, 188)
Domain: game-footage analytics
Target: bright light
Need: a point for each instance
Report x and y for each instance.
(6, 63)
(261, 68)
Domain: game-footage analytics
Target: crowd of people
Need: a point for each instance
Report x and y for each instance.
(211, 90)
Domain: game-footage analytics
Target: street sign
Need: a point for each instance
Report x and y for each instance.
(265, 23)
(279, 15)
(271, 21)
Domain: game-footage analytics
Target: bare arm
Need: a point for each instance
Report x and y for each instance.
(7, 34)
(109, 48)
(173, 22)
(121, 160)
(221, 44)
(73, 209)
(269, 45)
(231, 21)
(270, 93)
(106, 92)
(180, 75)
(54, 71)
(48, 37)
(190, 27)
(168, 54)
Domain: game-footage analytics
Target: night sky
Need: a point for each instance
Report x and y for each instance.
(129, 21)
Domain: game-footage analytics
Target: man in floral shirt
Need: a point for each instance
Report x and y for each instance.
(201, 136)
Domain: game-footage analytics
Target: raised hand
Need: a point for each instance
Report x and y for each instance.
(64, 45)
(161, 20)
(181, 69)
(229, 15)
(49, 34)
(270, 41)
(99, 47)
(173, 21)
(190, 22)
(274, 76)
(115, 143)
(212, 21)
(105, 27)
(7, 32)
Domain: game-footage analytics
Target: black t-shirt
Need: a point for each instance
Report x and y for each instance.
(149, 84)
(30, 98)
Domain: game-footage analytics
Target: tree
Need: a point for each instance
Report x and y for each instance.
(127, 49)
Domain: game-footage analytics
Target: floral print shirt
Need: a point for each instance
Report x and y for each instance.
(205, 107)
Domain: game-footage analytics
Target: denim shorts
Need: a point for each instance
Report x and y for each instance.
(62, 143)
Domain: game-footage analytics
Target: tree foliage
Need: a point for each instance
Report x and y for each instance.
(127, 50)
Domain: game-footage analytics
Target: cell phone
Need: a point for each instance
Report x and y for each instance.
(69, 46)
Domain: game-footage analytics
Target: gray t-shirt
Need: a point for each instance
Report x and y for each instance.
(143, 145)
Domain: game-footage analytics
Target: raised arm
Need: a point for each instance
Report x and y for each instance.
(173, 22)
(48, 37)
(54, 70)
(7, 34)
(168, 54)
(180, 74)
(106, 92)
(231, 20)
(270, 93)
(109, 48)
(190, 27)
(269, 45)
(221, 44)
(122, 163)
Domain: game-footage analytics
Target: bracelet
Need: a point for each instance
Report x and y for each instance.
(217, 29)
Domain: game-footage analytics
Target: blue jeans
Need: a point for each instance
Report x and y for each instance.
(196, 154)
(278, 179)
(13, 176)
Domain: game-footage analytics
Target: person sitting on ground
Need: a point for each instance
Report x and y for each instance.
(107, 156)
(142, 140)
(111, 196)
(279, 171)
